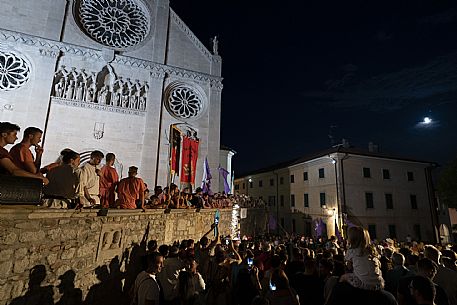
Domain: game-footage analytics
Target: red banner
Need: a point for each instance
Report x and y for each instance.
(175, 150)
(189, 160)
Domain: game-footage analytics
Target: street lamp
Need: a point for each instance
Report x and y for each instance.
(338, 205)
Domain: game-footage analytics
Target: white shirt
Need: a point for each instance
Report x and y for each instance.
(88, 178)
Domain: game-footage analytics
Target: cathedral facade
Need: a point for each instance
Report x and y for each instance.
(113, 76)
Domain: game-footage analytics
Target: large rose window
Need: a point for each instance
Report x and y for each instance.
(184, 102)
(115, 23)
(14, 71)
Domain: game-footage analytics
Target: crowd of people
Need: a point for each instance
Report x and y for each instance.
(68, 184)
(271, 270)
(296, 270)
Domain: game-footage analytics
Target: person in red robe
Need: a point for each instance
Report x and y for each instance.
(130, 189)
(108, 180)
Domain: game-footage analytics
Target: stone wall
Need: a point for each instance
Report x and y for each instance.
(58, 254)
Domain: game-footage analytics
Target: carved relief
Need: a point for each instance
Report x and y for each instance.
(118, 24)
(103, 88)
(110, 242)
(14, 71)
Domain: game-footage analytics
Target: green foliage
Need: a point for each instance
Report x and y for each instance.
(447, 185)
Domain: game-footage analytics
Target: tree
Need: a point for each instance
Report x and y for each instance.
(447, 185)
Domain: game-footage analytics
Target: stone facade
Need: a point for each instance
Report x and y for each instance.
(60, 242)
(109, 75)
(331, 185)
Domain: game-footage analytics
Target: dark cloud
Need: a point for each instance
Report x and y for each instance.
(446, 17)
(434, 82)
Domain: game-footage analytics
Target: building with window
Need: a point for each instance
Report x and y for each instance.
(390, 196)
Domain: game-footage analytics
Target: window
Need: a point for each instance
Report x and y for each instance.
(281, 180)
(307, 228)
(244, 185)
(237, 187)
(306, 200)
(294, 229)
(272, 200)
(251, 184)
(272, 182)
(366, 172)
(389, 201)
(385, 174)
(372, 231)
(410, 176)
(292, 200)
(413, 200)
(369, 200)
(305, 176)
(260, 183)
(281, 200)
(417, 231)
(392, 231)
(292, 179)
(322, 199)
(321, 173)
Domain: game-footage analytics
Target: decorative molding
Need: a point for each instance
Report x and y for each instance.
(157, 70)
(73, 103)
(191, 35)
(50, 44)
(216, 84)
(7, 107)
(49, 53)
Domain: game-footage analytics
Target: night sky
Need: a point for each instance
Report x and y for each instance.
(296, 71)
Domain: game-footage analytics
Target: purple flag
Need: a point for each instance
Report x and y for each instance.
(319, 227)
(347, 221)
(272, 222)
(224, 173)
(206, 181)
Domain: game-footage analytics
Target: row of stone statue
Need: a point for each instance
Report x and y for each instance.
(79, 86)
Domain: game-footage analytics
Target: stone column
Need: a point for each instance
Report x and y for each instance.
(152, 130)
(214, 113)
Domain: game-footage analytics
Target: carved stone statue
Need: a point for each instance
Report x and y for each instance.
(124, 101)
(79, 91)
(90, 94)
(133, 102)
(215, 45)
(102, 94)
(116, 100)
(142, 103)
(70, 90)
(59, 88)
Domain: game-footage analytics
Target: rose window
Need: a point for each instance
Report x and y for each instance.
(114, 23)
(14, 71)
(184, 103)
